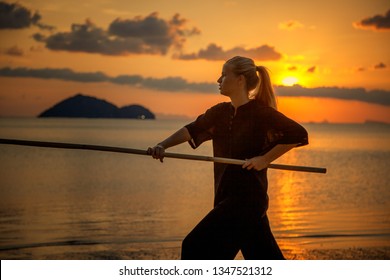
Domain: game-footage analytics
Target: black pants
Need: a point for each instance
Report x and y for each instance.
(231, 226)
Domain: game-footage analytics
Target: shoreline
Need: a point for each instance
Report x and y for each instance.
(171, 251)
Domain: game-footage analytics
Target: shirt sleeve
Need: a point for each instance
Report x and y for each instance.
(202, 128)
(286, 131)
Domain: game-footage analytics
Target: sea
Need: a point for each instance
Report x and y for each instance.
(66, 204)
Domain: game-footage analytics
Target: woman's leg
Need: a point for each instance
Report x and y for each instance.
(215, 237)
(259, 242)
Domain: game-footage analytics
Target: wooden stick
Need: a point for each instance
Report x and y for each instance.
(143, 152)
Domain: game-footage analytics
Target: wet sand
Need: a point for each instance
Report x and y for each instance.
(171, 251)
(355, 253)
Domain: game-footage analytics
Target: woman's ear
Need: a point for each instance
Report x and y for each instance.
(241, 80)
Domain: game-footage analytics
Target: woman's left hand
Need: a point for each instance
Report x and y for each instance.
(256, 163)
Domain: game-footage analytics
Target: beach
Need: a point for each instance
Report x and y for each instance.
(171, 251)
(82, 205)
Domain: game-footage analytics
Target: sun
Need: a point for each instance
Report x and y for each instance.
(289, 81)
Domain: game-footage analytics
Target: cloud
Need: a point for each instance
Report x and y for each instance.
(215, 52)
(90, 39)
(377, 22)
(50, 73)
(375, 67)
(380, 65)
(164, 84)
(311, 69)
(290, 25)
(178, 84)
(15, 16)
(148, 35)
(14, 51)
(380, 97)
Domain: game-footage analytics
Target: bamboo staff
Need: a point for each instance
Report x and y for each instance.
(143, 152)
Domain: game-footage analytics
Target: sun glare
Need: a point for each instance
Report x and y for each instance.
(289, 81)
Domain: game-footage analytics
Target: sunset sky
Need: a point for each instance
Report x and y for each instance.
(329, 60)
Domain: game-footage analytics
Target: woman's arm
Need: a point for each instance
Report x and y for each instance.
(180, 136)
(261, 162)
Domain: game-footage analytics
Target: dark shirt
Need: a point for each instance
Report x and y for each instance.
(252, 131)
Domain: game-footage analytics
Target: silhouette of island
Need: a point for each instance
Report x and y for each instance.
(82, 106)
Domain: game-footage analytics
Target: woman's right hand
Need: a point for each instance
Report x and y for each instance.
(157, 152)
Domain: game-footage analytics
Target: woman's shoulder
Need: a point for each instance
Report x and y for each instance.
(267, 113)
(264, 110)
(220, 106)
(223, 105)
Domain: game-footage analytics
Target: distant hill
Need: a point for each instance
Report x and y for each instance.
(82, 106)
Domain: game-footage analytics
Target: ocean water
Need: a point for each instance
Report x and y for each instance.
(63, 201)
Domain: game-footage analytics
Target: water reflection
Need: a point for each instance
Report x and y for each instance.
(331, 211)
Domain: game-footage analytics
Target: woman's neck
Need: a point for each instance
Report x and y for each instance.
(239, 100)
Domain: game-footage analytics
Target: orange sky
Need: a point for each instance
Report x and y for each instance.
(331, 48)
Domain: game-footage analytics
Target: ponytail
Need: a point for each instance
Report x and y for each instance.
(265, 93)
(258, 85)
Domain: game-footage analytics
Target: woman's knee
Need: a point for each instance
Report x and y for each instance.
(186, 243)
(190, 248)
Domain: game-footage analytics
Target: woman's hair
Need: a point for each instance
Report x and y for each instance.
(260, 85)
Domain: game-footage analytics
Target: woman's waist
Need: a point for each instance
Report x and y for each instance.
(235, 175)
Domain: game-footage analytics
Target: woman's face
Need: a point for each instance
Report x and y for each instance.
(228, 82)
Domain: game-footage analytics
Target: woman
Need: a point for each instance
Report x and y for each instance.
(248, 127)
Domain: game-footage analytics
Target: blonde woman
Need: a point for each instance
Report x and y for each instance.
(248, 127)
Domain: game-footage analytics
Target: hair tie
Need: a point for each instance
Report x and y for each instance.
(260, 68)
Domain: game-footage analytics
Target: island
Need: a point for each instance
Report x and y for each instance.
(82, 106)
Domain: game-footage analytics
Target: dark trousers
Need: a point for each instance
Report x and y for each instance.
(231, 226)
